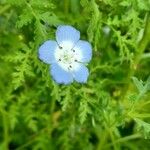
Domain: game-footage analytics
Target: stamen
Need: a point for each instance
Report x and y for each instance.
(59, 59)
(60, 47)
(75, 60)
(73, 50)
(70, 66)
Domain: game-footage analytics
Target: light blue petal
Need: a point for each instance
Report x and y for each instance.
(86, 50)
(81, 74)
(46, 51)
(61, 76)
(66, 34)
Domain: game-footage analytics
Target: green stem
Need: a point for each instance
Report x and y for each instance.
(52, 109)
(145, 115)
(6, 131)
(144, 42)
(146, 55)
(140, 50)
(66, 6)
(32, 138)
(101, 67)
(124, 139)
(5, 8)
(112, 139)
(102, 140)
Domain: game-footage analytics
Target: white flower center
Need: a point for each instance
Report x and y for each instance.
(67, 58)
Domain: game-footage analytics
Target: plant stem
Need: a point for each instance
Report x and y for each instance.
(102, 139)
(112, 139)
(124, 139)
(144, 42)
(5, 8)
(32, 138)
(140, 50)
(6, 130)
(146, 55)
(66, 6)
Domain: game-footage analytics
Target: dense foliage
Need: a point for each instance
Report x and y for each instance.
(110, 111)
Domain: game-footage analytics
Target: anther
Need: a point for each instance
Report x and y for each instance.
(59, 59)
(70, 66)
(73, 50)
(75, 60)
(60, 47)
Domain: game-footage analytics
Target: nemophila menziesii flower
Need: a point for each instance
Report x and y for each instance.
(68, 56)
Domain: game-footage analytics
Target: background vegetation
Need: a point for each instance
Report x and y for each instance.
(111, 111)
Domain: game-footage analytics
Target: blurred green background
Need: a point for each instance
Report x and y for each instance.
(110, 112)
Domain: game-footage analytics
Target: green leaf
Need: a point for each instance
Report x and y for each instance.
(50, 18)
(144, 4)
(138, 84)
(25, 18)
(143, 127)
(84, 110)
(142, 88)
(16, 2)
(125, 3)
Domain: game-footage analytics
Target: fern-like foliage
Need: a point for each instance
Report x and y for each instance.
(110, 111)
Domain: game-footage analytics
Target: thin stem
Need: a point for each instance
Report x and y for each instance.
(144, 104)
(146, 115)
(124, 139)
(112, 139)
(140, 49)
(102, 140)
(52, 108)
(6, 131)
(5, 8)
(144, 42)
(101, 67)
(31, 139)
(66, 6)
(145, 56)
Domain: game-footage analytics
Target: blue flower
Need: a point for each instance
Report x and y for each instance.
(67, 56)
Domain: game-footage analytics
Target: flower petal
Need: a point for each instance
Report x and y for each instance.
(84, 50)
(81, 74)
(46, 51)
(60, 75)
(67, 36)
